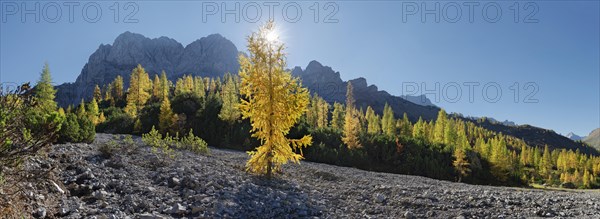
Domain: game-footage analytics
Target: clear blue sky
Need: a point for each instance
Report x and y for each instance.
(559, 53)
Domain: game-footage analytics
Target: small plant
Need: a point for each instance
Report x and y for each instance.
(129, 145)
(165, 145)
(108, 149)
(159, 145)
(194, 143)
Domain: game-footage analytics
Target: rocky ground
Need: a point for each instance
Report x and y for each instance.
(135, 183)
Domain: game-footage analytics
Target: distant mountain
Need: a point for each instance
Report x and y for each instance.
(574, 136)
(420, 100)
(505, 122)
(209, 56)
(536, 136)
(214, 55)
(326, 82)
(593, 139)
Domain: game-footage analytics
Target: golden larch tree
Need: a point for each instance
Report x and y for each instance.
(460, 163)
(273, 100)
(351, 121)
(165, 118)
(139, 90)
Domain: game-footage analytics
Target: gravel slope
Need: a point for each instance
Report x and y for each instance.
(136, 185)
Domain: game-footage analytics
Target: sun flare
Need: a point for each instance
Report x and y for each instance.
(272, 36)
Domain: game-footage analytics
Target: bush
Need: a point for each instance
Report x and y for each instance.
(165, 145)
(187, 103)
(159, 145)
(108, 149)
(194, 143)
(129, 145)
(149, 117)
(117, 122)
(17, 140)
(77, 129)
(69, 129)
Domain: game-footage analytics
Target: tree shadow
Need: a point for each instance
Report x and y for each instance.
(261, 197)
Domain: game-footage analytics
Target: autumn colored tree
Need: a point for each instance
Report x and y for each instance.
(108, 94)
(317, 114)
(273, 100)
(500, 158)
(351, 122)
(97, 93)
(440, 126)
(93, 111)
(180, 86)
(156, 87)
(164, 85)
(419, 130)
(230, 112)
(337, 116)
(117, 88)
(81, 112)
(165, 118)
(199, 86)
(405, 126)
(139, 91)
(460, 163)
(101, 118)
(388, 123)
(546, 163)
(373, 121)
(322, 112)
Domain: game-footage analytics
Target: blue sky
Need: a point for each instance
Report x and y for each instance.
(555, 53)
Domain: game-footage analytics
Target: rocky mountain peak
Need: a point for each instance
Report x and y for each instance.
(210, 56)
(574, 136)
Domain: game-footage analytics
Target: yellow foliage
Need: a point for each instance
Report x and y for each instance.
(273, 101)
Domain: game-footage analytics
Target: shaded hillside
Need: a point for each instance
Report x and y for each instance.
(593, 139)
(328, 84)
(535, 136)
(324, 81)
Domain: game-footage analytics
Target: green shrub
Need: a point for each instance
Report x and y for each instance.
(194, 143)
(165, 145)
(149, 116)
(70, 129)
(117, 122)
(159, 145)
(77, 129)
(108, 149)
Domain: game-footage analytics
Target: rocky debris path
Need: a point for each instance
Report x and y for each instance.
(137, 184)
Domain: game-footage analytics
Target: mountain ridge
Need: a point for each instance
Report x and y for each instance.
(593, 139)
(214, 55)
(209, 56)
(574, 136)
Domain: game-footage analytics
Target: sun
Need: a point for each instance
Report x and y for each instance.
(272, 36)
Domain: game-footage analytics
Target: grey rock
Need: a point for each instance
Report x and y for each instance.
(63, 212)
(174, 181)
(149, 216)
(177, 209)
(40, 212)
(409, 215)
(380, 198)
(100, 195)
